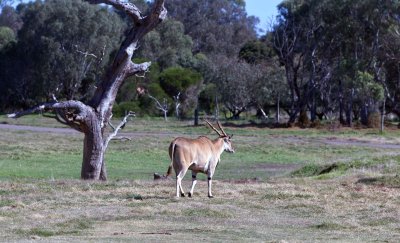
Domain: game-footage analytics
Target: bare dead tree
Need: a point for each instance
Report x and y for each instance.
(177, 103)
(161, 106)
(92, 118)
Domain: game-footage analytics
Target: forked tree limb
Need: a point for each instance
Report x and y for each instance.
(69, 104)
(123, 66)
(61, 109)
(117, 128)
(138, 68)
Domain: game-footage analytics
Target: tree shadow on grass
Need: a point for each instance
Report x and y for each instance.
(387, 181)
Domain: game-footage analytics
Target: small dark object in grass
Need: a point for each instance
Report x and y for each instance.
(159, 177)
(135, 197)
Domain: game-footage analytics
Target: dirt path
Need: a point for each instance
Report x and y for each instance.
(73, 132)
(335, 141)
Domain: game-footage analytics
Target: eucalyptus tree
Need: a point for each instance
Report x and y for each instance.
(216, 26)
(92, 118)
(11, 18)
(169, 46)
(4, 3)
(64, 47)
(324, 45)
(268, 90)
(184, 86)
(6, 36)
(236, 82)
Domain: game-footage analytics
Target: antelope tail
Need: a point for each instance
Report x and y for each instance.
(169, 171)
(171, 154)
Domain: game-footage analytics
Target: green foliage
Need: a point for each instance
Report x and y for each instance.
(183, 81)
(51, 46)
(168, 45)
(121, 109)
(207, 97)
(177, 79)
(225, 29)
(9, 17)
(6, 36)
(368, 87)
(255, 52)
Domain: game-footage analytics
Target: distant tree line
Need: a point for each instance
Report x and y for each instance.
(340, 58)
(321, 59)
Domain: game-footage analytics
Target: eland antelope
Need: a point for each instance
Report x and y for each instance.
(198, 155)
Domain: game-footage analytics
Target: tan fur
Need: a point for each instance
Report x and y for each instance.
(198, 155)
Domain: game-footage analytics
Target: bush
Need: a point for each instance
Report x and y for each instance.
(374, 120)
(303, 121)
(119, 110)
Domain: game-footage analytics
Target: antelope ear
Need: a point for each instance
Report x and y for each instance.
(230, 136)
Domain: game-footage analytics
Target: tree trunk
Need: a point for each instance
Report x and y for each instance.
(216, 108)
(364, 114)
(382, 125)
(92, 156)
(313, 109)
(196, 117)
(93, 149)
(277, 112)
(349, 110)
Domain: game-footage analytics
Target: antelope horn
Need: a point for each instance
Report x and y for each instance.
(219, 134)
(222, 130)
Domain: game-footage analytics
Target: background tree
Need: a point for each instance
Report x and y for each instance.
(92, 118)
(10, 18)
(184, 84)
(216, 26)
(6, 36)
(64, 46)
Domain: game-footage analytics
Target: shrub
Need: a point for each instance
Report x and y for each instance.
(122, 108)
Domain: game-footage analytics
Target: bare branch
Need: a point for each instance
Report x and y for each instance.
(85, 53)
(163, 107)
(177, 104)
(138, 68)
(159, 11)
(36, 109)
(129, 8)
(121, 138)
(159, 105)
(116, 129)
(70, 104)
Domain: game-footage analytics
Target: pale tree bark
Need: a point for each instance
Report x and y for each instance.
(92, 118)
(177, 104)
(162, 107)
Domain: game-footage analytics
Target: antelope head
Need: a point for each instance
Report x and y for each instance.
(226, 138)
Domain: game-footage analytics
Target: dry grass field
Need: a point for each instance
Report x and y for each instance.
(282, 185)
(276, 210)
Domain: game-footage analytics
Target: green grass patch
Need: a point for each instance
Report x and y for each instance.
(381, 164)
(6, 203)
(40, 155)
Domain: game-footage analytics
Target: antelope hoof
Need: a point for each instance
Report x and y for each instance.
(210, 196)
(182, 194)
(189, 194)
